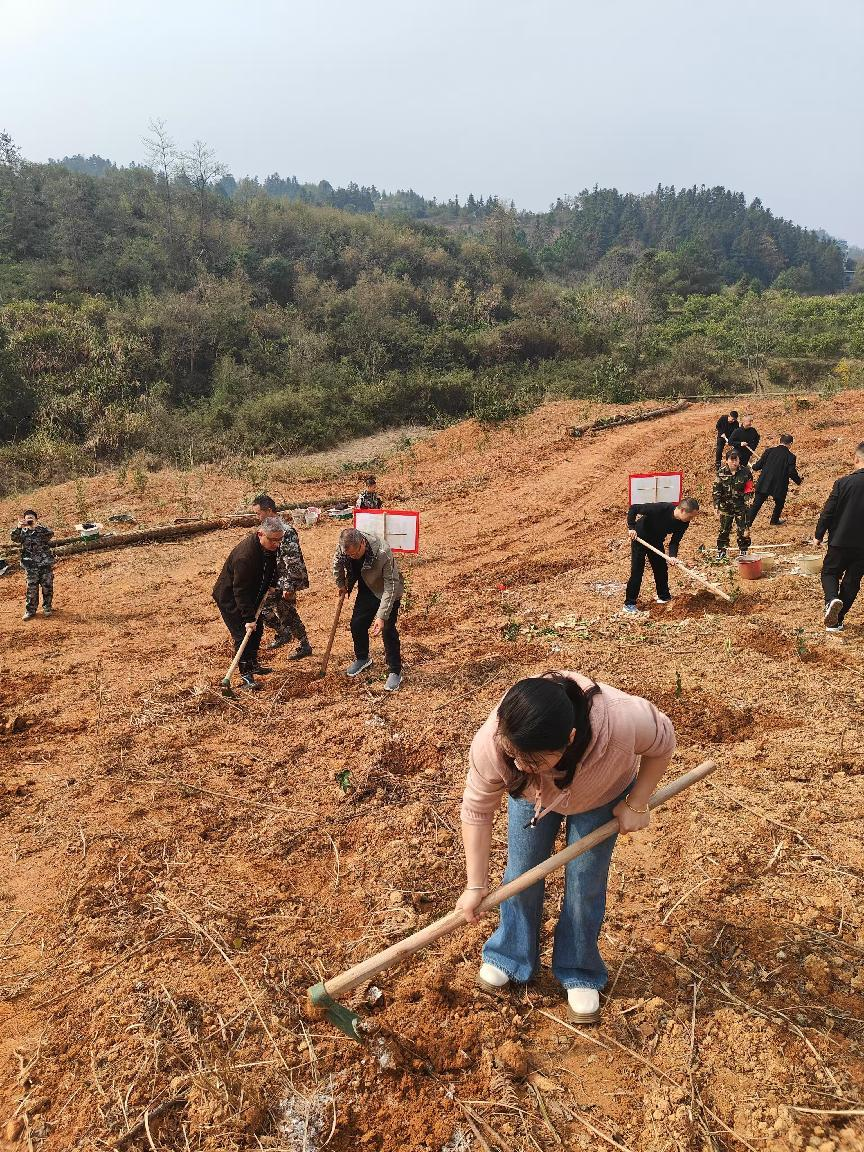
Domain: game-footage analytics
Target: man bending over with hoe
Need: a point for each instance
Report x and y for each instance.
(247, 575)
(280, 610)
(568, 752)
(653, 523)
(367, 562)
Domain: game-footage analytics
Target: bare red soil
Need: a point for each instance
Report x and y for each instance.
(178, 868)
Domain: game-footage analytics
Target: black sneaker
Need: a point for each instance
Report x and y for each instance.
(248, 681)
(833, 612)
(260, 671)
(303, 649)
(279, 642)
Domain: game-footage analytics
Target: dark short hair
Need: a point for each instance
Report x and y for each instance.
(370, 479)
(265, 502)
(785, 438)
(689, 504)
(29, 512)
(733, 413)
(734, 456)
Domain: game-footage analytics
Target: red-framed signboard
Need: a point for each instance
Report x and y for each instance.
(649, 487)
(399, 527)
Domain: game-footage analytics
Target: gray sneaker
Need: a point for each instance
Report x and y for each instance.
(358, 666)
(630, 610)
(833, 612)
(393, 682)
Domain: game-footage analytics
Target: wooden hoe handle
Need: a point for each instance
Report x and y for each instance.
(329, 648)
(693, 575)
(364, 971)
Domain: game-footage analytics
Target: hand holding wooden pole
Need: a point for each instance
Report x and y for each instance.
(698, 577)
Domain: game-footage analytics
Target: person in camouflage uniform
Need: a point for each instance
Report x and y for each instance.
(37, 560)
(280, 608)
(369, 497)
(731, 502)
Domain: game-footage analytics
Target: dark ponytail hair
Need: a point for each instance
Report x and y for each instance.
(537, 715)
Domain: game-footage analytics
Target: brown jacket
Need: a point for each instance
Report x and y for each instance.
(245, 577)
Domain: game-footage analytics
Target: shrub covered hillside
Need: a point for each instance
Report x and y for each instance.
(146, 310)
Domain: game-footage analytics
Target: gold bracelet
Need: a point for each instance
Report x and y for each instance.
(638, 811)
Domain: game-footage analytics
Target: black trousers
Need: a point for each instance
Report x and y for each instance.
(760, 498)
(365, 610)
(659, 567)
(236, 625)
(721, 444)
(842, 573)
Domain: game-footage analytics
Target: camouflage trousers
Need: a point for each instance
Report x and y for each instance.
(738, 517)
(39, 576)
(283, 616)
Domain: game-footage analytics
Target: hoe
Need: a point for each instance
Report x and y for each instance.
(323, 995)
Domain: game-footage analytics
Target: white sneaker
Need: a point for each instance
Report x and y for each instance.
(832, 613)
(584, 1005)
(660, 600)
(492, 979)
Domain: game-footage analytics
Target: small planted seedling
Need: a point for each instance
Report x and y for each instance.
(343, 779)
(678, 687)
(801, 645)
(510, 630)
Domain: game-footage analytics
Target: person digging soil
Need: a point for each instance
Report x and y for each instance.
(843, 519)
(368, 562)
(566, 750)
(246, 576)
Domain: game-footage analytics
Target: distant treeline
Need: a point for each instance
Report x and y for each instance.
(143, 310)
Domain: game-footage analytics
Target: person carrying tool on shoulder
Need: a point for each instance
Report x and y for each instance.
(569, 752)
(37, 560)
(843, 519)
(280, 610)
(730, 500)
(653, 523)
(366, 561)
(725, 426)
(246, 577)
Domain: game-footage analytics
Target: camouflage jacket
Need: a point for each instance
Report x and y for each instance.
(35, 544)
(291, 574)
(728, 492)
(369, 500)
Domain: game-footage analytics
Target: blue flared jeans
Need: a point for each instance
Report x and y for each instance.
(515, 945)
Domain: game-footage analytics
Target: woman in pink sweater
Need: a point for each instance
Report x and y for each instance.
(567, 751)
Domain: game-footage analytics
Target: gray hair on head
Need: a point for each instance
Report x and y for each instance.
(351, 538)
(271, 525)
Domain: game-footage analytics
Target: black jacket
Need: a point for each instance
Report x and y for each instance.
(749, 438)
(725, 427)
(245, 577)
(654, 522)
(843, 515)
(776, 468)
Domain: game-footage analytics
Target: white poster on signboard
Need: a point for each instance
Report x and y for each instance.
(648, 488)
(400, 528)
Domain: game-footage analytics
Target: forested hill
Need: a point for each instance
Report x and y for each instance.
(706, 237)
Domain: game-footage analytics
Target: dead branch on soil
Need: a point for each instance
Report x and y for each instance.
(193, 923)
(642, 1060)
(143, 1124)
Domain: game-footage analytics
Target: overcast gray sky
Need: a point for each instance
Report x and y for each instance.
(529, 99)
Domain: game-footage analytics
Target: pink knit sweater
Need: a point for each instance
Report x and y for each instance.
(623, 729)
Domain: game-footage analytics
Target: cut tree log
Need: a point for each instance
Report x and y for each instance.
(697, 576)
(616, 421)
(151, 535)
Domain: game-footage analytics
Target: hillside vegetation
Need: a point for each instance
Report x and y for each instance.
(172, 312)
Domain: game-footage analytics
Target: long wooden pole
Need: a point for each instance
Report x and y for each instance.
(329, 648)
(693, 575)
(345, 981)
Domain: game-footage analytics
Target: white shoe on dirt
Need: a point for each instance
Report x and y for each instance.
(492, 979)
(584, 1005)
(833, 610)
(630, 610)
(660, 600)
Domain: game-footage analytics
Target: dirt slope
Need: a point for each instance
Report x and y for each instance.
(176, 869)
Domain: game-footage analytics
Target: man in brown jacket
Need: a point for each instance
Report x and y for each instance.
(368, 562)
(246, 577)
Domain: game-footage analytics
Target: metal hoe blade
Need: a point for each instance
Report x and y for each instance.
(338, 1015)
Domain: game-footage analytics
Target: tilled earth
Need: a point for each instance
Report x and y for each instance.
(177, 868)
